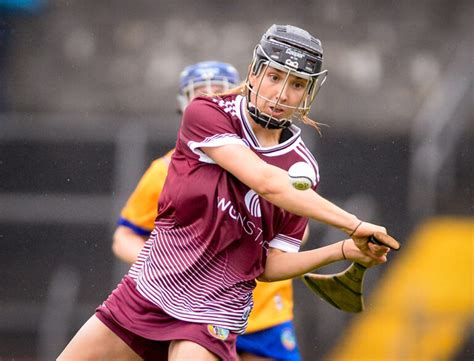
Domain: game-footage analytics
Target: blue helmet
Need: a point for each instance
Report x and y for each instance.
(206, 73)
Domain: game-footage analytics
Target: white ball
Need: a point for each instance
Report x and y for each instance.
(302, 176)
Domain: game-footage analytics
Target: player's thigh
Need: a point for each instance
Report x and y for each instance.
(95, 341)
(181, 350)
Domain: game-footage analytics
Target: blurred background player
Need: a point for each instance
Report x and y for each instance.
(270, 333)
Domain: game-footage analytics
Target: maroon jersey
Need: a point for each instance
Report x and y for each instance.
(213, 232)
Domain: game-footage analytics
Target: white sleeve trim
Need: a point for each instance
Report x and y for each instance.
(214, 141)
(285, 243)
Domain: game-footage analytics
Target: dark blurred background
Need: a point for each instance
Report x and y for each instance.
(88, 99)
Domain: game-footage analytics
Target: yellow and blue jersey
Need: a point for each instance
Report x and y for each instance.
(140, 210)
(273, 304)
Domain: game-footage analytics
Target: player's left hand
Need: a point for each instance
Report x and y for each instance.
(361, 239)
(353, 253)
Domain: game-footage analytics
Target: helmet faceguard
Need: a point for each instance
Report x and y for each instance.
(205, 74)
(295, 52)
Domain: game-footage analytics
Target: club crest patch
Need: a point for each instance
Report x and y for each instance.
(288, 339)
(218, 332)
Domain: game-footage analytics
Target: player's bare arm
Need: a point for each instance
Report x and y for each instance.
(127, 244)
(284, 265)
(272, 183)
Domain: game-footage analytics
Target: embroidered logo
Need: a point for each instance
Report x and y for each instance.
(252, 202)
(288, 339)
(218, 332)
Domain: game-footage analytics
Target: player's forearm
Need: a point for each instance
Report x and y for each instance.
(272, 183)
(127, 244)
(281, 265)
(279, 191)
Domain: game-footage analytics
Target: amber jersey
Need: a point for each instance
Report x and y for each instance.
(212, 232)
(140, 210)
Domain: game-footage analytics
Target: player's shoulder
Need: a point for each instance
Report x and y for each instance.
(200, 109)
(225, 103)
(216, 98)
(212, 113)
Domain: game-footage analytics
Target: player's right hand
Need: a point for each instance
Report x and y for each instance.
(361, 240)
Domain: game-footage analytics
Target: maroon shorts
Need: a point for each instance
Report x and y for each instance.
(148, 330)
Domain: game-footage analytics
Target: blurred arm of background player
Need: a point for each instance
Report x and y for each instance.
(137, 217)
(127, 244)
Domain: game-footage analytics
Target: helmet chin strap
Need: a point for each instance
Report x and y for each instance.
(266, 121)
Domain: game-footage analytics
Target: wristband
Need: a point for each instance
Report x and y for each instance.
(355, 229)
(342, 249)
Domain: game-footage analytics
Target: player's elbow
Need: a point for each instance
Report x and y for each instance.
(263, 278)
(274, 270)
(266, 183)
(116, 243)
(269, 277)
(119, 242)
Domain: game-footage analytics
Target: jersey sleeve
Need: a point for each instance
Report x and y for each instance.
(207, 124)
(140, 210)
(290, 236)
